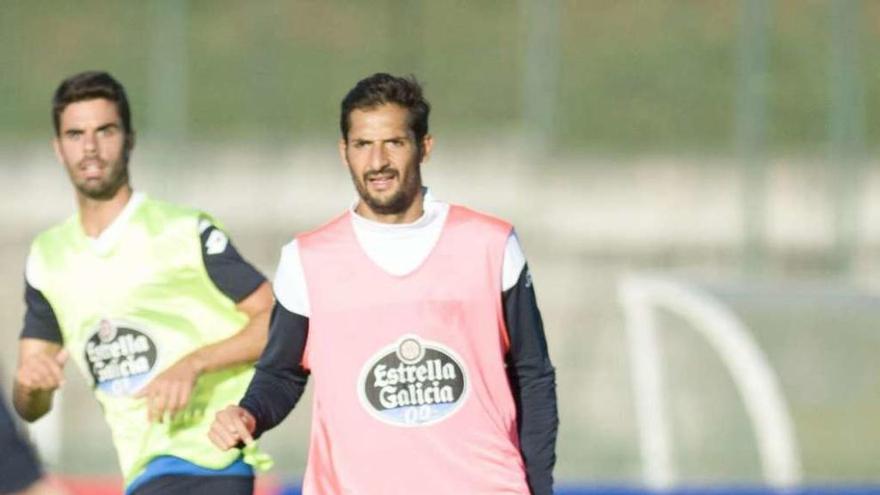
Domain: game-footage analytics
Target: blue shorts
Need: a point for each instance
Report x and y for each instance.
(172, 475)
(187, 484)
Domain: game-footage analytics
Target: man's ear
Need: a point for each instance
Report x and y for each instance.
(128, 145)
(56, 145)
(342, 147)
(130, 139)
(427, 145)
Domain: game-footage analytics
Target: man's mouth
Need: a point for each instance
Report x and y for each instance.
(92, 169)
(381, 181)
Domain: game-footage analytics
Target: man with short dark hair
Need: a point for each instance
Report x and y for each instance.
(419, 323)
(150, 300)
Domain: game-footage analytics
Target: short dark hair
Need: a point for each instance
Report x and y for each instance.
(90, 85)
(382, 88)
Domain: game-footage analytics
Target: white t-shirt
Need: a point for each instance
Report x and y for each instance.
(396, 248)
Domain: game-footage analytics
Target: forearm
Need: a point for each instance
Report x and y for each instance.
(533, 383)
(35, 379)
(245, 346)
(280, 379)
(40, 372)
(538, 423)
(242, 348)
(270, 398)
(31, 405)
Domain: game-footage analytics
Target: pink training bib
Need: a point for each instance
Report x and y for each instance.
(410, 389)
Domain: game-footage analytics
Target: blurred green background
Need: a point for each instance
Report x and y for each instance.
(726, 143)
(618, 77)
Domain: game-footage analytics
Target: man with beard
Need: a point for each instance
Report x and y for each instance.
(419, 323)
(150, 300)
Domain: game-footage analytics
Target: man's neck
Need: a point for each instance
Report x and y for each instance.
(415, 211)
(96, 215)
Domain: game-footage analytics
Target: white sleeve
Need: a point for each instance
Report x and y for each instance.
(514, 261)
(290, 281)
(32, 272)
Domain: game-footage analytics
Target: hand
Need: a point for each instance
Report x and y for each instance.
(41, 371)
(171, 390)
(231, 426)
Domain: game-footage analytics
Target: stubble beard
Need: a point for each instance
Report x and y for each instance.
(106, 189)
(399, 201)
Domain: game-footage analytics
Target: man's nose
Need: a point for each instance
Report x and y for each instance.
(90, 143)
(378, 157)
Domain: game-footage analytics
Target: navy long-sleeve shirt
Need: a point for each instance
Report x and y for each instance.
(280, 379)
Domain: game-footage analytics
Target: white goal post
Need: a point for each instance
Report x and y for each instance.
(641, 297)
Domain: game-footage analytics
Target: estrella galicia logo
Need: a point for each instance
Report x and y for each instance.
(120, 358)
(413, 383)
